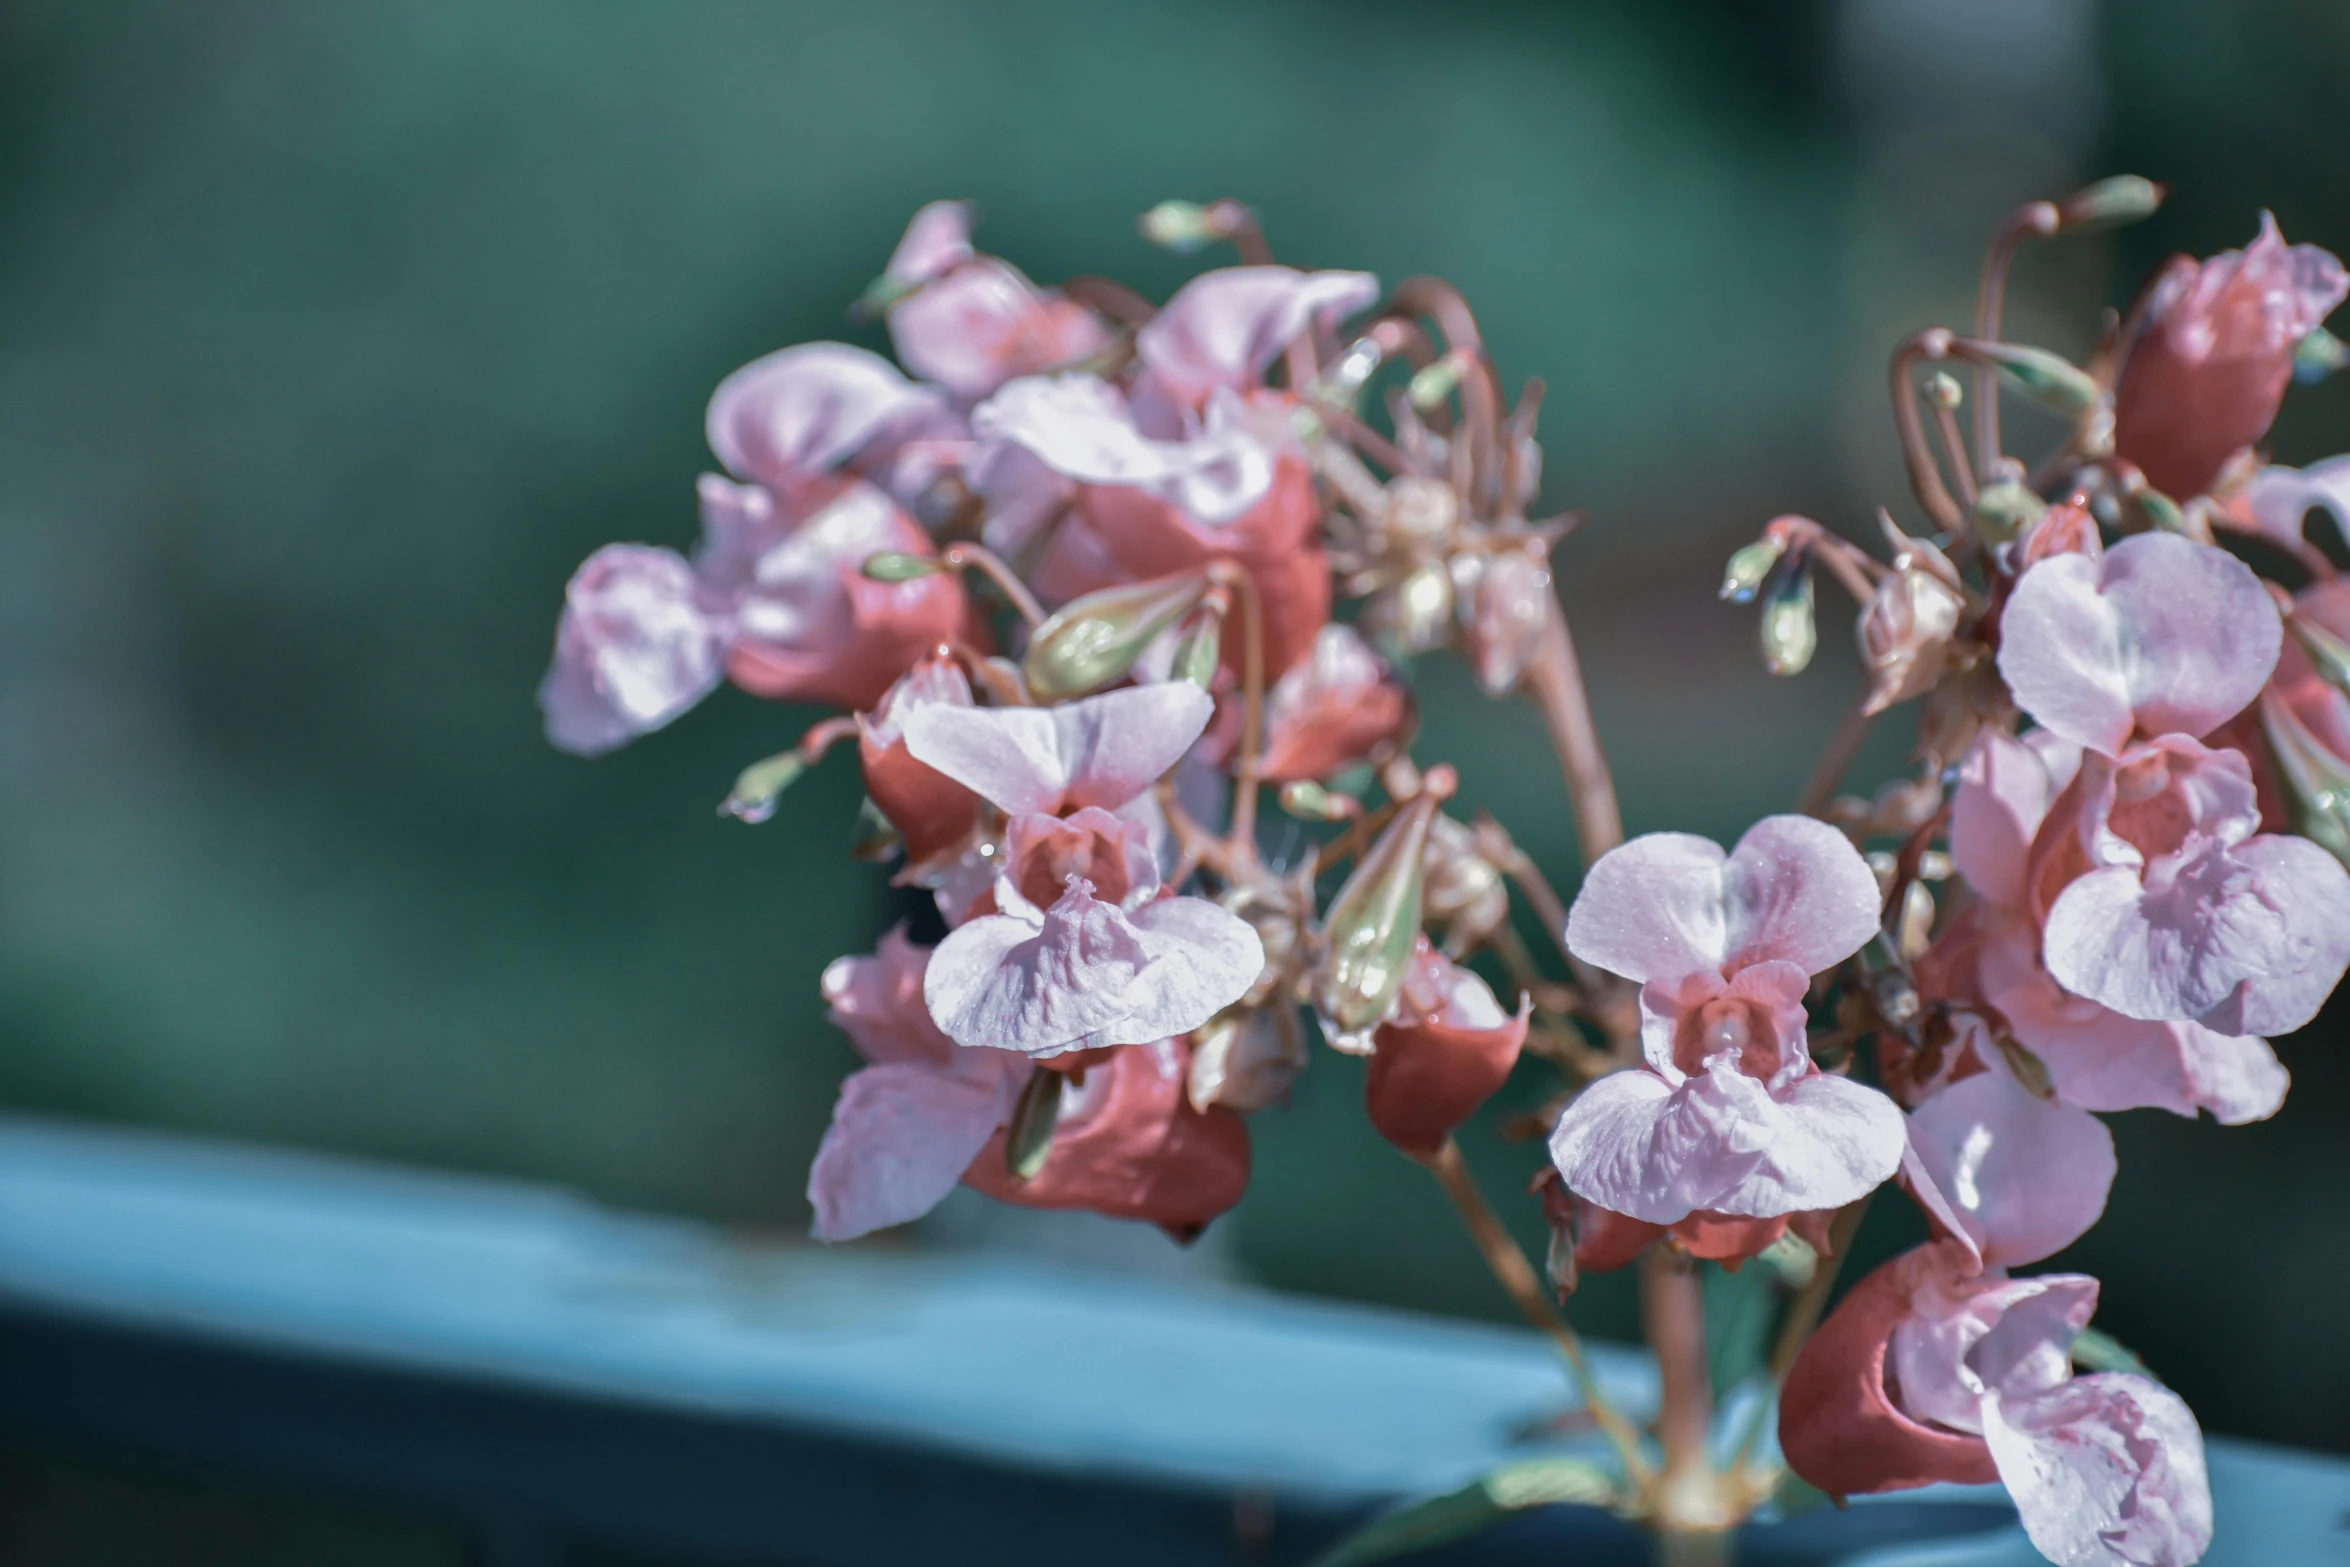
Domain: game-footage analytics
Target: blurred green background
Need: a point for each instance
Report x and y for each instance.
(333, 336)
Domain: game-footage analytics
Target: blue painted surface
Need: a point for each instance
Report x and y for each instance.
(1041, 1367)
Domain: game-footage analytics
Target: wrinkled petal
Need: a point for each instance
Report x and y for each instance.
(1637, 1145)
(937, 240)
(877, 1001)
(2282, 498)
(2160, 634)
(984, 323)
(1761, 1006)
(1203, 959)
(636, 646)
(804, 411)
(2100, 1060)
(1080, 427)
(2026, 1177)
(2004, 790)
(1225, 328)
(2106, 1470)
(1964, 1338)
(2311, 890)
(901, 1137)
(1104, 750)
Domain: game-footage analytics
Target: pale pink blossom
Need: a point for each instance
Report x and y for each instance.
(639, 643)
(1729, 1114)
(1104, 750)
(910, 1123)
(2281, 498)
(937, 240)
(802, 412)
(2022, 1177)
(1080, 427)
(2160, 635)
(1224, 329)
(971, 322)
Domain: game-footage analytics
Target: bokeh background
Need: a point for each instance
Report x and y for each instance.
(332, 336)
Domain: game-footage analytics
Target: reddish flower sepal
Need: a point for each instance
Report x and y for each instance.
(1448, 1051)
(1606, 1240)
(1129, 1145)
(1838, 1424)
(932, 813)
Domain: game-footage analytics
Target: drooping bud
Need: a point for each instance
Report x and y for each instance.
(1790, 634)
(1028, 1142)
(1438, 380)
(1943, 390)
(2048, 379)
(758, 786)
(2317, 356)
(1314, 803)
(2005, 509)
(1179, 226)
(1372, 924)
(1749, 568)
(898, 566)
(1095, 640)
(1200, 652)
(2314, 781)
(2110, 203)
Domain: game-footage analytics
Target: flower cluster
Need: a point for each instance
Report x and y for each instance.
(1090, 574)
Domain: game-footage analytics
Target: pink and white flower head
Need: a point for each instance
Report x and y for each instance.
(2159, 635)
(1931, 1370)
(971, 322)
(1223, 329)
(1080, 427)
(1729, 1114)
(2031, 820)
(909, 1124)
(1083, 950)
(789, 419)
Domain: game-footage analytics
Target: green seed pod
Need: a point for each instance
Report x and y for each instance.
(897, 566)
(1200, 651)
(1179, 226)
(2110, 203)
(1028, 1142)
(2051, 380)
(2006, 509)
(1372, 923)
(2317, 356)
(757, 787)
(1790, 633)
(1749, 568)
(1095, 640)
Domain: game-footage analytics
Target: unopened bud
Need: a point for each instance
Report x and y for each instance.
(1315, 803)
(1245, 1060)
(2318, 355)
(1790, 634)
(897, 566)
(2314, 781)
(1095, 640)
(2125, 198)
(1435, 382)
(1028, 1142)
(1914, 928)
(1749, 568)
(756, 788)
(2005, 509)
(1200, 651)
(1368, 934)
(2051, 380)
(1420, 509)
(1943, 390)
(1179, 226)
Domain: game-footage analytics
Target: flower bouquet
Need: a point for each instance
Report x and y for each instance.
(1075, 572)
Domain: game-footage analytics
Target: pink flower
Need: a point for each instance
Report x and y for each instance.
(912, 1121)
(638, 644)
(934, 815)
(972, 322)
(803, 412)
(1130, 1145)
(1081, 427)
(1448, 1050)
(2160, 635)
(1224, 329)
(1729, 1114)
(1930, 1370)
(1104, 750)
(2020, 1177)
(1338, 706)
(2205, 376)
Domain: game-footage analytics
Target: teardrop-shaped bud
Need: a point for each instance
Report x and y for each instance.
(758, 785)
(2125, 198)
(1310, 800)
(1943, 390)
(2314, 781)
(2006, 509)
(1748, 569)
(2051, 380)
(1790, 632)
(1179, 226)
(1200, 652)
(1028, 1142)
(1095, 640)
(1368, 934)
(2318, 355)
(1434, 382)
(898, 566)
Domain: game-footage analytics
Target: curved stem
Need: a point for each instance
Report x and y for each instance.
(1555, 679)
(1925, 474)
(1516, 1275)
(1851, 730)
(979, 558)
(1243, 835)
(1111, 298)
(2037, 218)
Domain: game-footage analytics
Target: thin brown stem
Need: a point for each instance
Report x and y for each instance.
(1954, 451)
(1111, 298)
(1925, 472)
(1844, 745)
(2033, 219)
(1672, 1317)
(1803, 1315)
(1555, 679)
(1517, 1277)
(979, 558)
(1243, 835)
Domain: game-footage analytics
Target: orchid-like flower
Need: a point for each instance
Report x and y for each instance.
(2210, 365)
(914, 1119)
(774, 597)
(1729, 1114)
(1224, 329)
(972, 322)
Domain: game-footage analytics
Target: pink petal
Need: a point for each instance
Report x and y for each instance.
(1104, 750)
(1796, 891)
(1641, 1147)
(1080, 427)
(900, 1139)
(2311, 891)
(806, 410)
(2162, 634)
(1966, 1338)
(1225, 328)
(2026, 1177)
(937, 240)
(984, 323)
(1651, 909)
(637, 645)
(2003, 792)
(1673, 1022)
(1202, 960)
(877, 1001)
(2106, 1471)
(2281, 498)
(2100, 1060)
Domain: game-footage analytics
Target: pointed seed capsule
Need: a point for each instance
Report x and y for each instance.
(1029, 1140)
(1371, 925)
(2125, 198)
(897, 566)
(1095, 640)
(1748, 569)
(1790, 633)
(758, 785)
(2051, 380)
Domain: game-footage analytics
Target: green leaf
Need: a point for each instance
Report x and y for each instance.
(2095, 1351)
(1484, 1502)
